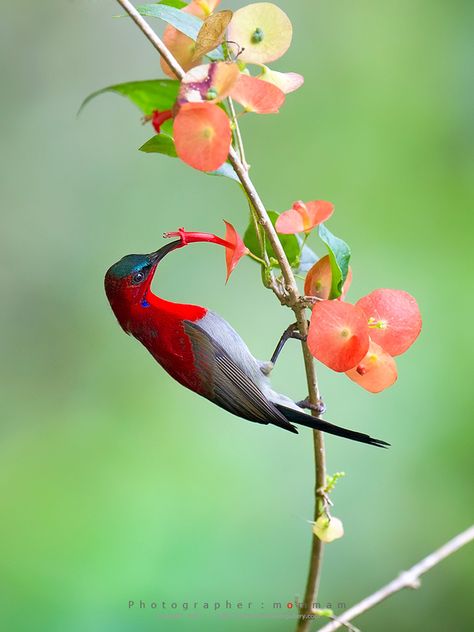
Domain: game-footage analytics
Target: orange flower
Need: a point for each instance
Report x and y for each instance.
(202, 135)
(257, 96)
(303, 217)
(338, 335)
(376, 371)
(319, 278)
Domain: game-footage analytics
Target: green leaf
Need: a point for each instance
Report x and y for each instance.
(154, 94)
(188, 24)
(177, 4)
(289, 242)
(339, 255)
(160, 144)
(227, 171)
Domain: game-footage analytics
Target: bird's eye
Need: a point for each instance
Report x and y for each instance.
(137, 278)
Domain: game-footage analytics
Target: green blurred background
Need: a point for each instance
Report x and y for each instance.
(119, 485)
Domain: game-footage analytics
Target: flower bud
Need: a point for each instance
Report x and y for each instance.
(328, 529)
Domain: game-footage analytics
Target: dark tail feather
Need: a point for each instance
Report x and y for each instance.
(319, 424)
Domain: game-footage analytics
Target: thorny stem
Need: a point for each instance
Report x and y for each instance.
(406, 579)
(291, 297)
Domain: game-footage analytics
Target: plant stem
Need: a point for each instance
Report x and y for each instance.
(406, 579)
(237, 134)
(291, 297)
(255, 258)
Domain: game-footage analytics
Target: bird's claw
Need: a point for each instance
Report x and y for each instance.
(319, 407)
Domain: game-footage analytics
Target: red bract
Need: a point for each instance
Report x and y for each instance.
(338, 335)
(319, 278)
(303, 217)
(235, 248)
(233, 255)
(202, 135)
(394, 319)
(376, 372)
(257, 96)
(158, 118)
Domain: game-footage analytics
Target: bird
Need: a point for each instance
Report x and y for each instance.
(202, 351)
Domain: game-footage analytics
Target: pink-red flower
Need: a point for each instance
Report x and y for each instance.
(304, 216)
(234, 246)
(361, 339)
(318, 280)
(202, 135)
(338, 335)
(376, 371)
(394, 319)
(256, 95)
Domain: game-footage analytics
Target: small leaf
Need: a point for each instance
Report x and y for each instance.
(339, 255)
(188, 24)
(177, 4)
(184, 22)
(227, 171)
(212, 33)
(289, 242)
(154, 94)
(307, 257)
(160, 144)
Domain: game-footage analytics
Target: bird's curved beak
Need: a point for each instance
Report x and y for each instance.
(158, 255)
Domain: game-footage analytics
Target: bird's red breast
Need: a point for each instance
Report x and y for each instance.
(158, 325)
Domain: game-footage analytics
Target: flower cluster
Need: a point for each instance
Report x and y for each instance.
(203, 125)
(359, 340)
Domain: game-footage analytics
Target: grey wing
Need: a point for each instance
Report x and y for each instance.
(227, 384)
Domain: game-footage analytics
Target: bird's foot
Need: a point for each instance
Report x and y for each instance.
(266, 367)
(319, 407)
(290, 332)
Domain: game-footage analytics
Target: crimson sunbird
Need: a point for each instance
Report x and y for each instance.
(201, 350)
